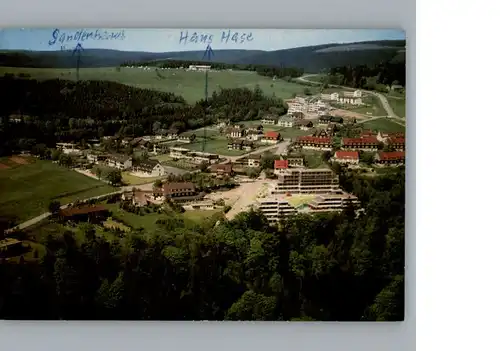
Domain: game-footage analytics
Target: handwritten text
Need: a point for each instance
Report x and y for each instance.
(81, 35)
(227, 36)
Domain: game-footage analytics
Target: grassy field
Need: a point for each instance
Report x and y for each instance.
(384, 125)
(189, 84)
(26, 190)
(313, 159)
(398, 105)
(214, 145)
(148, 220)
(129, 179)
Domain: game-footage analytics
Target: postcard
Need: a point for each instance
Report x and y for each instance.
(202, 174)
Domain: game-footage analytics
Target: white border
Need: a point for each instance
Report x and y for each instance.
(226, 336)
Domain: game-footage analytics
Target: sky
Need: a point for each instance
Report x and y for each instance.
(163, 40)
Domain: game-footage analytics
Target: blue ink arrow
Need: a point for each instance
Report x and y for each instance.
(209, 53)
(78, 51)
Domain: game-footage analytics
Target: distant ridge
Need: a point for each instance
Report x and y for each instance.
(310, 58)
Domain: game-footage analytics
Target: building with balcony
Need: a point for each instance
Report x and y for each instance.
(305, 181)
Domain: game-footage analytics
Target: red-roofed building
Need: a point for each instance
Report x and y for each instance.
(365, 144)
(346, 157)
(390, 158)
(396, 143)
(280, 166)
(271, 138)
(314, 143)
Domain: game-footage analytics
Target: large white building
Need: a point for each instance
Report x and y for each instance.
(347, 97)
(305, 181)
(198, 68)
(275, 209)
(336, 201)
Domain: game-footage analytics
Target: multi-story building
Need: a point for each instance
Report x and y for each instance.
(365, 144)
(351, 157)
(253, 161)
(306, 181)
(240, 144)
(121, 162)
(336, 201)
(269, 120)
(286, 122)
(235, 132)
(271, 138)
(304, 124)
(314, 143)
(275, 209)
(390, 158)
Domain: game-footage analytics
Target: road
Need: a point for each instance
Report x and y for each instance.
(379, 117)
(385, 104)
(280, 146)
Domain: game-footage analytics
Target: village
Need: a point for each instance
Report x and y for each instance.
(283, 165)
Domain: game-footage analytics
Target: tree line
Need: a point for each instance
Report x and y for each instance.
(51, 111)
(263, 70)
(324, 267)
(375, 77)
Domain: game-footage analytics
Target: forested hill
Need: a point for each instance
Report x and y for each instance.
(310, 59)
(58, 110)
(325, 267)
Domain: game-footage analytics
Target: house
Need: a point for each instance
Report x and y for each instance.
(186, 137)
(314, 143)
(240, 144)
(351, 157)
(235, 132)
(254, 135)
(353, 94)
(256, 128)
(150, 168)
(181, 192)
(390, 158)
(96, 158)
(138, 198)
(225, 169)
(324, 120)
(365, 144)
(321, 133)
(269, 120)
(298, 115)
(253, 161)
(286, 122)
(172, 134)
(271, 138)
(92, 214)
(331, 129)
(280, 166)
(121, 162)
(69, 148)
(304, 124)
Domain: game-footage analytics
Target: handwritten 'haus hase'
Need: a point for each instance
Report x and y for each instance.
(207, 38)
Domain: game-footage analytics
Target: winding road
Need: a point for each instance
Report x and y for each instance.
(385, 104)
(280, 146)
